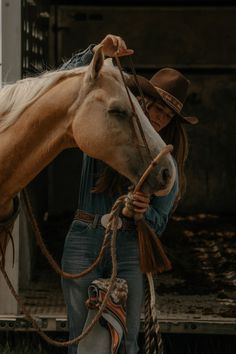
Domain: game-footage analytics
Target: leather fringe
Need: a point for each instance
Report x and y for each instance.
(153, 258)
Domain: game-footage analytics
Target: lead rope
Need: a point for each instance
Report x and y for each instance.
(134, 111)
(144, 106)
(112, 225)
(44, 249)
(153, 338)
(2, 252)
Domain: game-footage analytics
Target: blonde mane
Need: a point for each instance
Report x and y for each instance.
(15, 98)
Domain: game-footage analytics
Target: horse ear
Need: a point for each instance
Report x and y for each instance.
(96, 64)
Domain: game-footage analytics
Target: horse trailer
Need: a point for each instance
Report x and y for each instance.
(199, 295)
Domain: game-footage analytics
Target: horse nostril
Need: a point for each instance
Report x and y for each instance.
(165, 174)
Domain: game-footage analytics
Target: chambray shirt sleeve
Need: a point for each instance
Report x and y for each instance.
(159, 209)
(79, 59)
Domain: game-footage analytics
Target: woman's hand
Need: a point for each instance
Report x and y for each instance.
(114, 45)
(138, 202)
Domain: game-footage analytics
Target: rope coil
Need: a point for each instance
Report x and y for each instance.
(112, 224)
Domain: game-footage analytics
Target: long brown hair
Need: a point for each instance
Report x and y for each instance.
(174, 133)
(110, 181)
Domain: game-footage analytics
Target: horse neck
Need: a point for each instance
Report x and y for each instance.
(41, 132)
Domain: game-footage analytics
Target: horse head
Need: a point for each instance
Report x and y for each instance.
(102, 128)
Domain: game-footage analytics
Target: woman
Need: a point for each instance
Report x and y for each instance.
(100, 186)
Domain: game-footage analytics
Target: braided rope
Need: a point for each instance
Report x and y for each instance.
(155, 343)
(112, 225)
(134, 115)
(47, 254)
(147, 318)
(6, 234)
(5, 230)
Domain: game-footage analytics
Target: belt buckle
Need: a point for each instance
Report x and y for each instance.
(105, 220)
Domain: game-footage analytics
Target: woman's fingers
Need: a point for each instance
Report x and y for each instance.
(115, 45)
(140, 207)
(123, 44)
(114, 40)
(142, 197)
(139, 211)
(122, 49)
(139, 202)
(126, 52)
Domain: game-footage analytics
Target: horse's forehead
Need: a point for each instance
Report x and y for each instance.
(112, 74)
(109, 84)
(105, 95)
(98, 95)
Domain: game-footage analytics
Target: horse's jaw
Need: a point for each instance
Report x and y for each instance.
(133, 170)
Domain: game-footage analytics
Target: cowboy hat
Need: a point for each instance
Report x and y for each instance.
(167, 84)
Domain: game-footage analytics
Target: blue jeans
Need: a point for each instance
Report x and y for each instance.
(82, 246)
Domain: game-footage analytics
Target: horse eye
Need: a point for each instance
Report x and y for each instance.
(119, 112)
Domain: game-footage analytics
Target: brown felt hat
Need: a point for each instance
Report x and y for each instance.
(167, 84)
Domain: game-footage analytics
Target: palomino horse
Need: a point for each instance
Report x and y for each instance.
(86, 107)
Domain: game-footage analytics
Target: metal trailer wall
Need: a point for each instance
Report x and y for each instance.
(10, 72)
(24, 52)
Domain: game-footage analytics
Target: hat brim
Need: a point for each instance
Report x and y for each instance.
(149, 90)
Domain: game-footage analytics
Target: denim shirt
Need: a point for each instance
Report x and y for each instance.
(101, 203)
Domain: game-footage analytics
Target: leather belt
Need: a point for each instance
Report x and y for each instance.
(97, 220)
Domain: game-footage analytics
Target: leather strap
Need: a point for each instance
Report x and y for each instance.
(95, 220)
